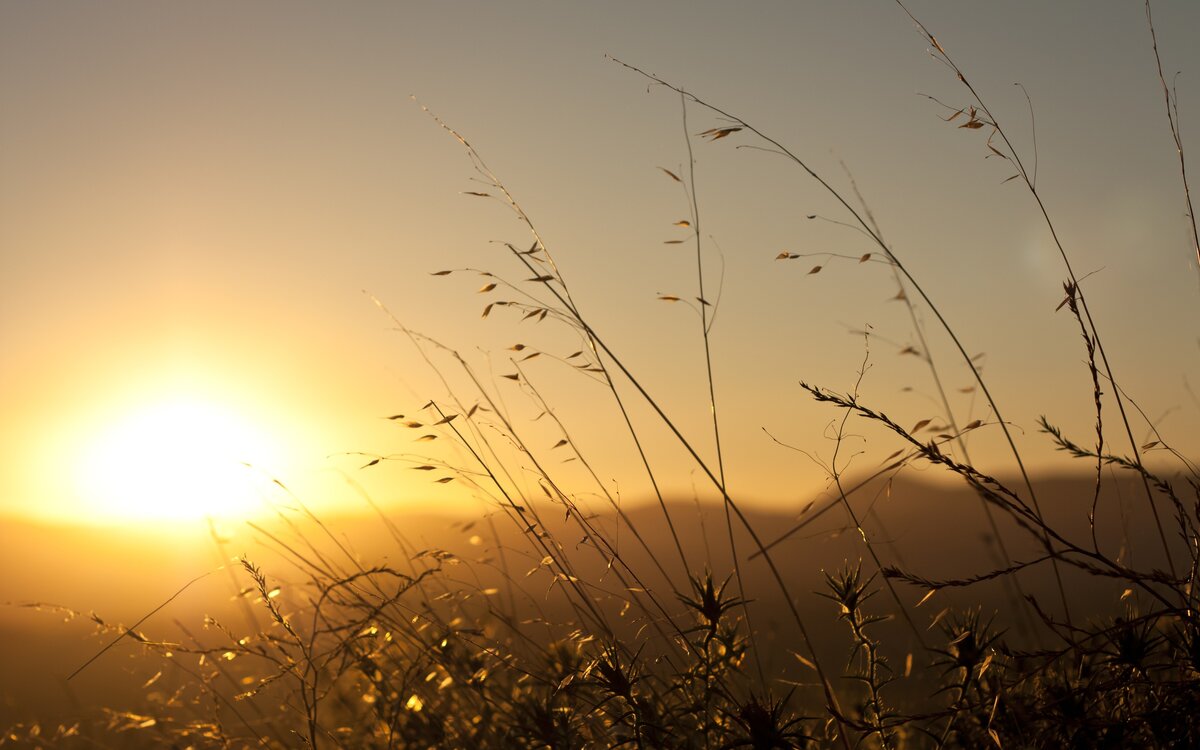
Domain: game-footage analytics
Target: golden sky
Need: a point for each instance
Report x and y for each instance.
(195, 196)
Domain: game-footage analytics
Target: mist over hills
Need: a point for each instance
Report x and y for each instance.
(932, 530)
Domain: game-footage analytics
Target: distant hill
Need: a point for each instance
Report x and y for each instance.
(934, 530)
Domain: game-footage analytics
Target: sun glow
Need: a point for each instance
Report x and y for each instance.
(176, 460)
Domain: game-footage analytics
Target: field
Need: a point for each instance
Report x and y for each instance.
(583, 598)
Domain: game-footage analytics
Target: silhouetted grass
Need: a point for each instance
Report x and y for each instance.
(576, 638)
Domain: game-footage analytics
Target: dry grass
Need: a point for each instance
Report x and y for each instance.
(630, 642)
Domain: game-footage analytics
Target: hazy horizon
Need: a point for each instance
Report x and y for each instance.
(132, 571)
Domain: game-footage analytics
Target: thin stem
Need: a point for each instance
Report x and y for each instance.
(712, 396)
(1025, 177)
(837, 195)
(1173, 121)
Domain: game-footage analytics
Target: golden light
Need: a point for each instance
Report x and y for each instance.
(175, 460)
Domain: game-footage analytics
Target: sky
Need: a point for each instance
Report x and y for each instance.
(198, 202)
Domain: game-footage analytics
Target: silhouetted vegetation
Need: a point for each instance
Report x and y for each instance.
(578, 638)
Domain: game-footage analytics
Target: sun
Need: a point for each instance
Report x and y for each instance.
(176, 460)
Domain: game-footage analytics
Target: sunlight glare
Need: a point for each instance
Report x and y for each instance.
(176, 460)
